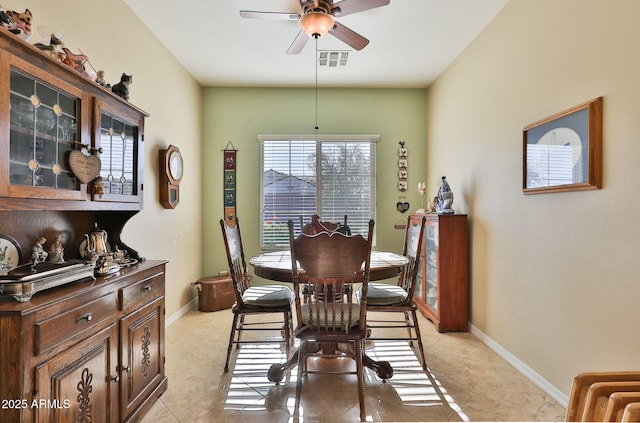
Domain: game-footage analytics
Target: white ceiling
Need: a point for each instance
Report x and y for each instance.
(411, 41)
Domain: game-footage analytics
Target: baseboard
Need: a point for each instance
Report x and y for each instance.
(184, 310)
(527, 371)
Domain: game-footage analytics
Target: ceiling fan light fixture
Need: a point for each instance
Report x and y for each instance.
(316, 24)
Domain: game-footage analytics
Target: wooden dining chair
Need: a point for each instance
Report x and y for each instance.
(398, 298)
(254, 300)
(615, 407)
(599, 394)
(631, 412)
(580, 389)
(331, 323)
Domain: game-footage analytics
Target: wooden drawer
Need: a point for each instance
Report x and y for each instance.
(55, 330)
(141, 293)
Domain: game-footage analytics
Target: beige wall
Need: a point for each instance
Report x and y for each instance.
(115, 40)
(555, 276)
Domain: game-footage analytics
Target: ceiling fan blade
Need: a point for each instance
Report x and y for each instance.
(347, 7)
(252, 14)
(298, 43)
(344, 34)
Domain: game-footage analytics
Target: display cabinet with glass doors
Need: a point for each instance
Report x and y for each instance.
(442, 286)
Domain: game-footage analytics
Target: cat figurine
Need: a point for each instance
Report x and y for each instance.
(122, 87)
(21, 23)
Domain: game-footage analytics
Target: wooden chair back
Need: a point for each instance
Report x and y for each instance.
(580, 388)
(331, 264)
(616, 404)
(235, 256)
(413, 239)
(631, 412)
(318, 226)
(598, 396)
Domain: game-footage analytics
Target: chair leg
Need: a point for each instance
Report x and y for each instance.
(287, 333)
(416, 326)
(240, 324)
(231, 337)
(407, 322)
(359, 351)
(301, 363)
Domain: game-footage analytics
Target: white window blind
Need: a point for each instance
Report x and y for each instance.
(331, 175)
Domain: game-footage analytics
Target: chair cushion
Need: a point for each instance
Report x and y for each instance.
(267, 296)
(355, 316)
(385, 294)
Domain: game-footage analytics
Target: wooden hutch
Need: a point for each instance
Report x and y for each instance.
(87, 350)
(442, 286)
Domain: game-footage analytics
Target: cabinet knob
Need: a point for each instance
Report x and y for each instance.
(85, 317)
(115, 378)
(126, 369)
(146, 288)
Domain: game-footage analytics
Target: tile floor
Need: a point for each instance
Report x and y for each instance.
(466, 381)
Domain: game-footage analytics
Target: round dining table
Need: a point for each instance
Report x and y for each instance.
(276, 266)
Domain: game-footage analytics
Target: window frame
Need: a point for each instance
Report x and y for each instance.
(318, 138)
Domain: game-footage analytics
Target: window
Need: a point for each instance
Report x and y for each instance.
(328, 175)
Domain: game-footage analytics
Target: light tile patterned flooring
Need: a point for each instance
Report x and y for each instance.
(466, 381)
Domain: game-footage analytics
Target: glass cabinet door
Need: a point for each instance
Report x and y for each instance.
(43, 123)
(431, 265)
(119, 140)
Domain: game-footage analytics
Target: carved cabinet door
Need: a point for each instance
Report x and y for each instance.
(142, 368)
(80, 384)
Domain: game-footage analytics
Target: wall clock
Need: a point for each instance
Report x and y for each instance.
(171, 168)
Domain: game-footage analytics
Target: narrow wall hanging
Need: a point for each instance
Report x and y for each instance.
(230, 184)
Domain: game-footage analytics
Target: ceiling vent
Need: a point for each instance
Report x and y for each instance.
(333, 59)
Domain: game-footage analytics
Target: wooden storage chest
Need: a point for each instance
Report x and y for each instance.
(215, 293)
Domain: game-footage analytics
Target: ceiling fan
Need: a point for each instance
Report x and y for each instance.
(316, 19)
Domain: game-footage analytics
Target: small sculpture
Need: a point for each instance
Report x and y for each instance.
(38, 254)
(422, 190)
(56, 251)
(75, 61)
(54, 47)
(100, 79)
(433, 203)
(20, 23)
(122, 87)
(5, 20)
(445, 198)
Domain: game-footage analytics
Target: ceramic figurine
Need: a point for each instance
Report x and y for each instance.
(75, 61)
(56, 251)
(54, 47)
(5, 20)
(21, 23)
(100, 79)
(38, 254)
(122, 87)
(445, 198)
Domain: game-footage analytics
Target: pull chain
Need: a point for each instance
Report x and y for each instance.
(316, 60)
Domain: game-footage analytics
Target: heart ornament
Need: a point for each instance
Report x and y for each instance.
(86, 168)
(402, 207)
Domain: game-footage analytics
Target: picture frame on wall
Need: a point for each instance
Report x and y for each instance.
(563, 152)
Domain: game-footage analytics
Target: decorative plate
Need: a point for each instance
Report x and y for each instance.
(10, 254)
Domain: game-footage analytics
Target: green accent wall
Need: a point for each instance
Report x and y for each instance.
(239, 115)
